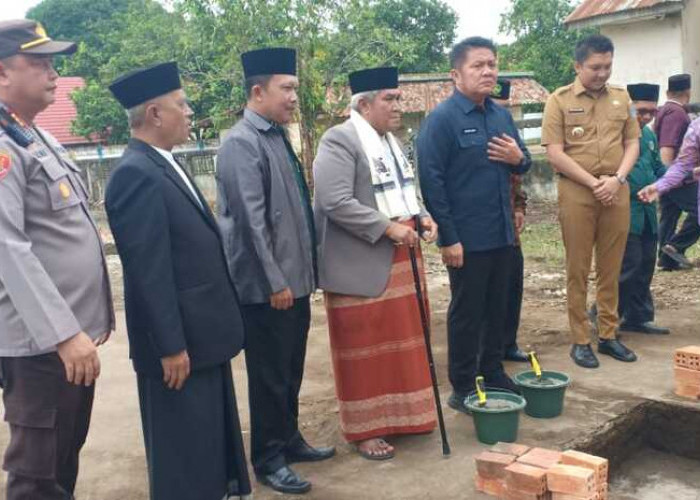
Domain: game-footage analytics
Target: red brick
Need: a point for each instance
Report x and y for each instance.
(687, 376)
(687, 391)
(526, 478)
(564, 496)
(510, 449)
(541, 457)
(572, 480)
(523, 495)
(598, 465)
(603, 492)
(491, 465)
(688, 357)
(493, 487)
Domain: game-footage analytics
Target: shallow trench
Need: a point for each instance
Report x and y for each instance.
(654, 452)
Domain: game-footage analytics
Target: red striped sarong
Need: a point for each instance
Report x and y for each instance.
(381, 367)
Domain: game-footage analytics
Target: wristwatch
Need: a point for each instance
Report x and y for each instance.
(621, 179)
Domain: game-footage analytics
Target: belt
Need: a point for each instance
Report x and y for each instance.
(559, 174)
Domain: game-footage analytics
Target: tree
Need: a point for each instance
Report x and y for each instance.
(82, 21)
(430, 24)
(544, 45)
(332, 38)
(206, 37)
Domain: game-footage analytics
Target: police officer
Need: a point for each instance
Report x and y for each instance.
(55, 301)
(592, 141)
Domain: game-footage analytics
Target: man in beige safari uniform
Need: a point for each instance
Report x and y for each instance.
(592, 141)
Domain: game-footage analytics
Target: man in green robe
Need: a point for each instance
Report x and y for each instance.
(636, 305)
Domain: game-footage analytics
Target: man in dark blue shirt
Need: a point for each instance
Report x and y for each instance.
(467, 149)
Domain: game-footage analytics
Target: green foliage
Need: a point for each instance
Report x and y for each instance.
(206, 37)
(332, 38)
(114, 36)
(431, 26)
(544, 45)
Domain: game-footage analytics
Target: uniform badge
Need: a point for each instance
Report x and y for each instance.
(5, 163)
(64, 190)
(577, 132)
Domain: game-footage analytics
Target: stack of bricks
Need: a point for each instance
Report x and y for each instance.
(687, 372)
(518, 472)
(597, 469)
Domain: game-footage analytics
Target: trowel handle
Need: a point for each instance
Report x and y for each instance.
(535, 364)
(480, 392)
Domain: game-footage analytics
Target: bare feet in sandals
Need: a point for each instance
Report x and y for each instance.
(375, 449)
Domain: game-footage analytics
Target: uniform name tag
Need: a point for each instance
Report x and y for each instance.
(40, 152)
(470, 131)
(576, 111)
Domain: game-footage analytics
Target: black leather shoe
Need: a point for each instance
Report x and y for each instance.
(515, 354)
(676, 256)
(583, 355)
(456, 402)
(648, 328)
(304, 452)
(285, 480)
(616, 349)
(501, 381)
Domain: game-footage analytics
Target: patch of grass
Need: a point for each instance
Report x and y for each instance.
(542, 242)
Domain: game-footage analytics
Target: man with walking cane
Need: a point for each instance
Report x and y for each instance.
(365, 203)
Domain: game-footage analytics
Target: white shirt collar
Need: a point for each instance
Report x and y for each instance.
(168, 155)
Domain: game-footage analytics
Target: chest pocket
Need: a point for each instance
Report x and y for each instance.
(60, 189)
(471, 140)
(579, 128)
(617, 118)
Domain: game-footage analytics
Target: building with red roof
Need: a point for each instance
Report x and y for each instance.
(58, 117)
(653, 39)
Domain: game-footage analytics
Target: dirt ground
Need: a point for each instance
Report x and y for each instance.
(113, 463)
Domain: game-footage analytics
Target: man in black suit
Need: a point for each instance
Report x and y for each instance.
(182, 310)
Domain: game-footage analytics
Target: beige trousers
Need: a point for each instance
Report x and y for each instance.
(587, 225)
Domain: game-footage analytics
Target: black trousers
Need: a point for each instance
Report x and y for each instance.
(275, 353)
(515, 298)
(49, 420)
(673, 204)
(636, 305)
(478, 295)
(194, 446)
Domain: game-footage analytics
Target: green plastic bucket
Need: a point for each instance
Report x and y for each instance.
(544, 400)
(499, 419)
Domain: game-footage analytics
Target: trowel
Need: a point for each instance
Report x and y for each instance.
(535, 365)
(480, 392)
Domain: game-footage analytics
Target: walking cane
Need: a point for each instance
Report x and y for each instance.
(426, 334)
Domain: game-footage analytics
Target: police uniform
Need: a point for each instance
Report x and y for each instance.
(593, 130)
(53, 285)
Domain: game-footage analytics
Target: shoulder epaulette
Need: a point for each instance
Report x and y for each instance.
(563, 89)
